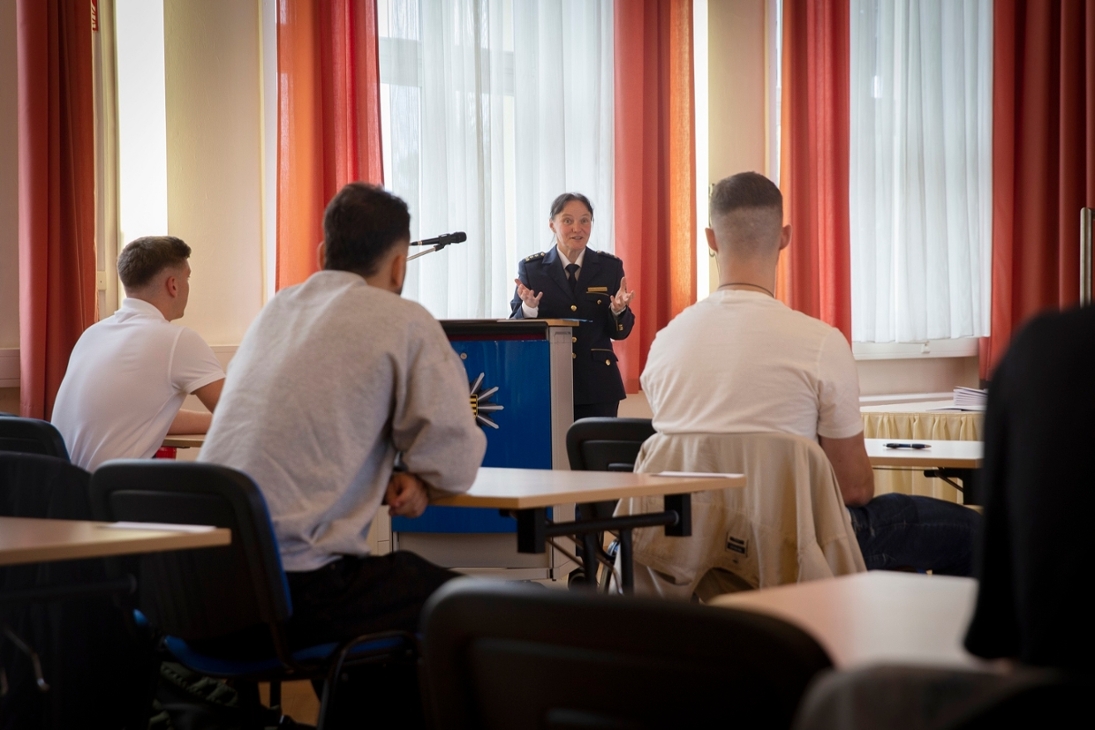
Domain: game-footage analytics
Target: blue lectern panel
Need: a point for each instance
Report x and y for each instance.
(521, 410)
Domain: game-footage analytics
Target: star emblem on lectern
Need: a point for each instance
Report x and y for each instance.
(481, 406)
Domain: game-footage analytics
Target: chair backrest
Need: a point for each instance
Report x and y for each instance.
(788, 524)
(206, 593)
(505, 655)
(90, 659)
(31, 436)
(606, 444)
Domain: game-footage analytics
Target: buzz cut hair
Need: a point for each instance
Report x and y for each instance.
(747, 209)
(143, 259)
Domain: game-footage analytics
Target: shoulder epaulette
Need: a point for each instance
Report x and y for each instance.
(608, 255)
(535, 256)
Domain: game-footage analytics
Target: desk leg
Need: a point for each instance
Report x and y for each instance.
(627, 564)
(969, 488)
(532, 530)
(682, 505)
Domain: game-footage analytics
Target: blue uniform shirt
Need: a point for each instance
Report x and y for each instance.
(596, 374)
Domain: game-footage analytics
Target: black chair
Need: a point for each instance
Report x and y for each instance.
(223, 610)
(606, 444)
(31, 436)
(61, 626)
(603, 444)
(505, 655)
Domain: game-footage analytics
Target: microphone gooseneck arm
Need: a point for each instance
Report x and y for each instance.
(438, 243)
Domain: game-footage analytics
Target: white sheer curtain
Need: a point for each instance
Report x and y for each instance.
(921, 169)
(490, 109)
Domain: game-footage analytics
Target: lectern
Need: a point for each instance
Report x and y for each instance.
(520, 389)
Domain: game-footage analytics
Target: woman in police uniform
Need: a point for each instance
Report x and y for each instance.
(576, 282)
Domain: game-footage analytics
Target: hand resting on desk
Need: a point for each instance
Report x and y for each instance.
(407, 495)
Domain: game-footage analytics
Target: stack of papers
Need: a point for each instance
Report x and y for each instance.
(972, 398)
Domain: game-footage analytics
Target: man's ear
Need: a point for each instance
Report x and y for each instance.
(399, 271)
(321, 255)
(171, 285)
(711, 242)
(785, 237)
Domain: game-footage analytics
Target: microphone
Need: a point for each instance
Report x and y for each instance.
(445, 240)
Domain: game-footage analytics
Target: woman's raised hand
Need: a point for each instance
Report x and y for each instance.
(529, 297)
(622, 299)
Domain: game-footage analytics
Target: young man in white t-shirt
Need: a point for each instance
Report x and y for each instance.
(128, 375)
(741, 361)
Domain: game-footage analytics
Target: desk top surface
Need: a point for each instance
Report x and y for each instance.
(185, 440)
(950, 454)
(531, 488)
(876, 617)
(29, 540)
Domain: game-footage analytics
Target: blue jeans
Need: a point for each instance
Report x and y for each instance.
(899, 531)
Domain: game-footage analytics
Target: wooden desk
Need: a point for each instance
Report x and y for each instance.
(519, 489)
(918, 422)
(942, 454)
(946, 460)
(876, 617)
(185, 441)
(29, 540)
(528, 493)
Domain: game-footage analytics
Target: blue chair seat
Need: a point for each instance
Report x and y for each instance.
(215, 666)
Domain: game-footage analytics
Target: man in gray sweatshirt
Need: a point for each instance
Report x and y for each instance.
(336, 379)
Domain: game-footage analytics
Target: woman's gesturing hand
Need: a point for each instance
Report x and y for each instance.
(623, 298)
(529, 297)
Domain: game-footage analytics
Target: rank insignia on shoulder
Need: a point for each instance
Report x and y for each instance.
(535, 256)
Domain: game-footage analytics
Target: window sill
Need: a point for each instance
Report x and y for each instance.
(960, 347)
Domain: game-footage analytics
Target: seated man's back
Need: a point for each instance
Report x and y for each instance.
(128, 375)
(334, 378)
(336, 381)
(740, 361)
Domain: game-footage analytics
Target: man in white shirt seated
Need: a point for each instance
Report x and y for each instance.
(741, 361)
(128, 375)
(336, 381)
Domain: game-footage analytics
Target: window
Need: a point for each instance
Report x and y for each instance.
(921, 169)
(490, 109)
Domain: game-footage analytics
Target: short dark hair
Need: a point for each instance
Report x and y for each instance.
(744, 190)
(559, 203)
(144, 258)
(361, 224)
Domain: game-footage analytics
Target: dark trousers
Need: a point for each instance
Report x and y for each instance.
(596, 410)
(901, 531)
(361, 595)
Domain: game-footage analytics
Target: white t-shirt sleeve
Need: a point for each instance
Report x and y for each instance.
(838, 384)
(193, 364)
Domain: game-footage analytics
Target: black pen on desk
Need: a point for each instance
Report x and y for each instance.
(895, 445)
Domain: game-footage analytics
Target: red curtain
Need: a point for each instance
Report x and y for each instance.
(655, 168)
(1043, 158)
(815, 270)
(328, 119)
(56, 193)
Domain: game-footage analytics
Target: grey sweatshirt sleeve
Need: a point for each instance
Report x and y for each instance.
(432, 423)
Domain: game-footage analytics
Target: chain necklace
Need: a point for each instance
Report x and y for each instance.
(745, 283)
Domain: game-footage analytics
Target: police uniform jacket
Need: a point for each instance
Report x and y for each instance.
(596, 374)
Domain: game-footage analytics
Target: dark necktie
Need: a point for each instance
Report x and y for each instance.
(572, 276)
